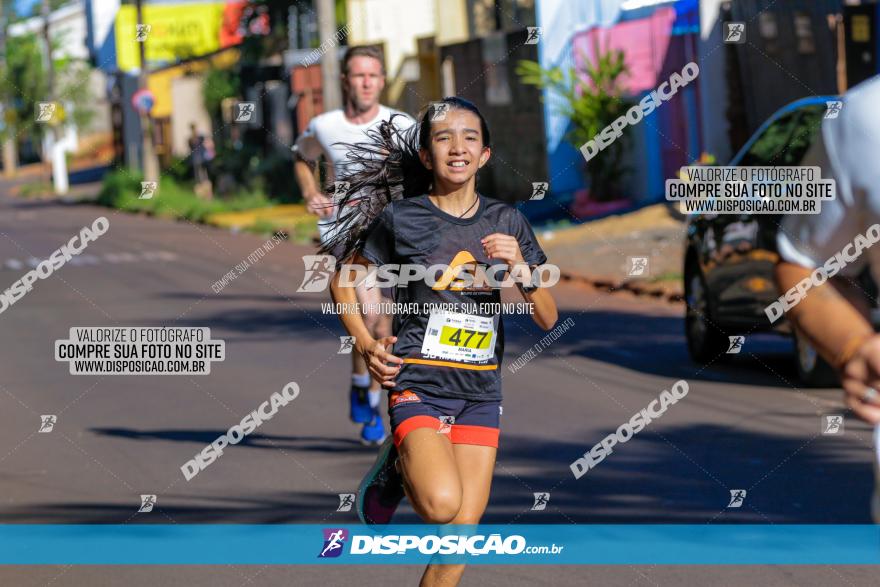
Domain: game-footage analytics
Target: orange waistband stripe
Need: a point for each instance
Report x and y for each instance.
(451, 364)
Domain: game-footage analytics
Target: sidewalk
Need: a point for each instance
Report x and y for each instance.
(599, 252)
(34, 182)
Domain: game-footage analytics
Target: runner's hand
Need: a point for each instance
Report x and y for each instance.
(320, 204)
(376, 356)
(502, 247)
(858, 374)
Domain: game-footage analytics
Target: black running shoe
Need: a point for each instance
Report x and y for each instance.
(381, 489)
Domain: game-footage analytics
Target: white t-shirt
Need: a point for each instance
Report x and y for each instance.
(848, 151)
(326, 131)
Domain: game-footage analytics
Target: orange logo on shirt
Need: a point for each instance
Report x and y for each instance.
(463, 260)
(402, 397)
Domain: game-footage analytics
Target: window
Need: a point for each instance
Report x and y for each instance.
(767, 25)
(769, 31)
(803, 31)
(861, 28)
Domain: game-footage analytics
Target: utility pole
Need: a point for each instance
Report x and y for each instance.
(56, 147)
(331, 91)
(10, 157)
(148, 152)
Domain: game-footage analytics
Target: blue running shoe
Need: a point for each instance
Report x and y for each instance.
(381, 489)
(373, 432)
(360, 411)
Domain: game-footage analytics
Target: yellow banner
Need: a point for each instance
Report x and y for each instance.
(171, 32)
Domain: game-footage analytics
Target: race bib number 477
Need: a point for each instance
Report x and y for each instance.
(459, 337)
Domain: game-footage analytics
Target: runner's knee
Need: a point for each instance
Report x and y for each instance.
(440, 505)
(468, 517)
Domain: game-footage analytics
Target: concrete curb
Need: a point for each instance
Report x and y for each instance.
(637, 288)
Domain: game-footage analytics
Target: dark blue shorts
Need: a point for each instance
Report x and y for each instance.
(463, 421)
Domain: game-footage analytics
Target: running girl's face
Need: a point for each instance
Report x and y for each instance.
(364, 81)
(456, 148)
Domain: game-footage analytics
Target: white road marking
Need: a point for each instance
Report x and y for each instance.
(87, 259)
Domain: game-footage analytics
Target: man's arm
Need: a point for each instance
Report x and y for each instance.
(316, 201)
(835, 318)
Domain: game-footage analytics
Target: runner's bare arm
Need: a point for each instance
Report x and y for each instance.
(545, 314)
(835, 319)
(374, 351)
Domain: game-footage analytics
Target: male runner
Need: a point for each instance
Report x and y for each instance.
(834, 316)
(363, 77)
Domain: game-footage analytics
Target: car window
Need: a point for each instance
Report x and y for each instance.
(805, 132)
(772, 141)
(785, 141)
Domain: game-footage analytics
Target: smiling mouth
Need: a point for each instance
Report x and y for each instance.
(458, 164)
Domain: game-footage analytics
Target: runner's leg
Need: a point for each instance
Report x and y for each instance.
(475, 465)
(430, 474)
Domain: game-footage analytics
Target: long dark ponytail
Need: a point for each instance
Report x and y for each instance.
(384, 168)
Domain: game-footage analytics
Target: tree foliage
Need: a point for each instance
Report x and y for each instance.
(219, 85)
(26, 84)
(591, 99)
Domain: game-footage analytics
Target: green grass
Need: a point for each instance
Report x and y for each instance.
(262, 226)
(668, 276)
(172, 199)
(36, 188)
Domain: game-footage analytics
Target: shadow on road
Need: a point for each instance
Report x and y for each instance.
(656, 345)
(640, 342)
(683, 476)
(256, 440)
(283, 323)
(256, 508)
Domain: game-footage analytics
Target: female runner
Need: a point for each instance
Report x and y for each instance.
(413, 201)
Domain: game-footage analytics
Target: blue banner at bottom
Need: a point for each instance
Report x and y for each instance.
(298, 544)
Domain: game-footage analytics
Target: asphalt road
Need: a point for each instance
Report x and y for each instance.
(744, 425)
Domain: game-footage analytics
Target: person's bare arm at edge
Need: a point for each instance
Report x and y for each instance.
(835, 319)
(373, 351)
(316, 201)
